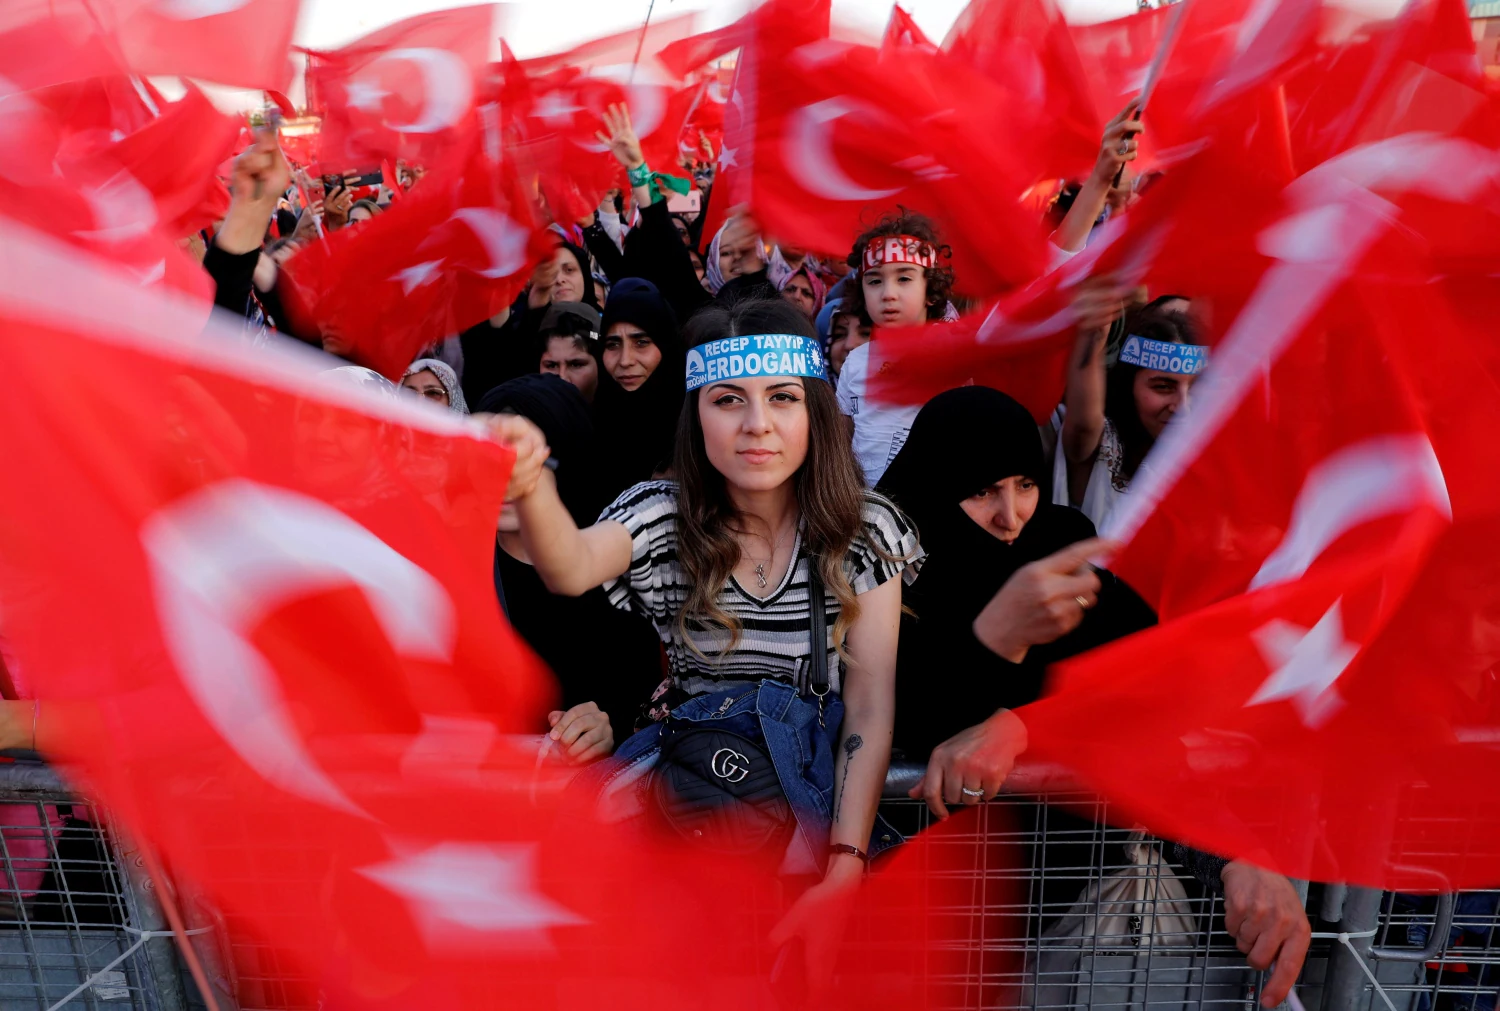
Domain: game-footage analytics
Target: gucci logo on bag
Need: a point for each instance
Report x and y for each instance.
(729, 765)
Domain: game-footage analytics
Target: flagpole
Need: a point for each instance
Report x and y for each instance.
(641, 42)
(1159, 61)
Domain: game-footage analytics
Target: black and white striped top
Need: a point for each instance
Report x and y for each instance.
(774, 637)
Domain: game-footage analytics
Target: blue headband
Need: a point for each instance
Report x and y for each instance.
(1183, 359)
(765, 354)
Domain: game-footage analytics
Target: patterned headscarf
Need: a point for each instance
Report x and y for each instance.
(446, 376)
(819, 289)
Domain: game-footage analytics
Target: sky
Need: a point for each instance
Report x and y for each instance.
(539, 27)
(535, 27)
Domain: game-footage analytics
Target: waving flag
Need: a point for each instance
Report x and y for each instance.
(1314, 532)
(404, 91)
(825, 153)
(452, 252)
(243, 43)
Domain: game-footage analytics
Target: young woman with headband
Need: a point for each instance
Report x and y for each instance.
(721, 561)
(1114, 415)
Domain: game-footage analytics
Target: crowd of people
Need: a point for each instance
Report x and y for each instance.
(711, 519)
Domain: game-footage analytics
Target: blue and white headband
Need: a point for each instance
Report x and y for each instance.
(753, 355)
(1182, 359)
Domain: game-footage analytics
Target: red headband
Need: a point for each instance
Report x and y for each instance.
(899, 249)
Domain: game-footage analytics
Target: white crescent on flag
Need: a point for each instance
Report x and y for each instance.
(448, 88)
(808, 150)
(225, 556)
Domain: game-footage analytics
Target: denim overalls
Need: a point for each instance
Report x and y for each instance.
(800, 745)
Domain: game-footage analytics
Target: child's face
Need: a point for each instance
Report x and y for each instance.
(895, 294)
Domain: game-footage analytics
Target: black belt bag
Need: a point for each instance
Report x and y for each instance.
(719, 789)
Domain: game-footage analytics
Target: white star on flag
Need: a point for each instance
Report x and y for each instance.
(456, 890)
(416, 275)
(1305, 663)
(726, 158)
(363, 94)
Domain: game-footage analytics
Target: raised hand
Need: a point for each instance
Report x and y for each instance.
(620, 137)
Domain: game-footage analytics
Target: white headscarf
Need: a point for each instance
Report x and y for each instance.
(446, 376)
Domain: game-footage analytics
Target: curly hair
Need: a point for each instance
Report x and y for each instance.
(905, 222)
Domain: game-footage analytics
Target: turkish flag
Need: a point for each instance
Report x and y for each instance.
(1026, 48)
(404, 91)
(1316, 533)
(792, 21)
(826, 154)
(295, 658)
(174, 157)
(74, 180)
(901, 31)
(244, 43)
(455, 250)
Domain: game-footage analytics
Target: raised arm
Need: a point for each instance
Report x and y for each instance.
(1083, 424)
(1117, 147)
(570, 561)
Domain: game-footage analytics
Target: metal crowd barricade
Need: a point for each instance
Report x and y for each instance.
(1053, 911)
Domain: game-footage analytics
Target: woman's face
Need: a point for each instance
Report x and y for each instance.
(569, 286)
(630, 355)
(1003, 509)
(895, 294)
(1158, 396)
(698, 268)
(426, 384)
(799, 292)
(567, 358)
(846, 334)
(358, 214)
(739, 251)
(755, 431)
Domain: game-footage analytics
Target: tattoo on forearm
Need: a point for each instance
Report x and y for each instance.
(851, 745)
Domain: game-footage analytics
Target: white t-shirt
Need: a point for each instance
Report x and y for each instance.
(880, 430)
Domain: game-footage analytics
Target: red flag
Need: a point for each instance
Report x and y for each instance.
(793, 21)
(623, 51)
(292, 622)
(901, 31)
(455, 250)
(404, 91)
(825, 153)
(1315, 534)
(1025, 47)
(243, 43)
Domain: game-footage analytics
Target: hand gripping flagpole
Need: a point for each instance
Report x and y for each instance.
(1174, 29)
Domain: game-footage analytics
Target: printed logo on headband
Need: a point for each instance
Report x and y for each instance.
(899, 249)
(1183, 359)
(754, 355)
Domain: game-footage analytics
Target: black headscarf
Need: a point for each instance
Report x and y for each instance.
(962, 441)
(586, 266)
(559, 410)
(599, 654)
(640, 426)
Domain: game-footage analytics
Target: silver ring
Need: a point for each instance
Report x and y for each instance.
(1082, 602)
(972, 793)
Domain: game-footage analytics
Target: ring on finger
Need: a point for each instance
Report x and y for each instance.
(1083, 601)
(972, 793)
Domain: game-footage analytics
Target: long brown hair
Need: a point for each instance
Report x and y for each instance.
(829, 487)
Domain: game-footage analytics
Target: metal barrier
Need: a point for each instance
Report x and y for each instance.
(1056, 910)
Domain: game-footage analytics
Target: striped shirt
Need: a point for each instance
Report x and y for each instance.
(775, 641)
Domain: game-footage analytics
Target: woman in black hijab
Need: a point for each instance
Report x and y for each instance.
(970, 476)
(605, 659)
(640, 394)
